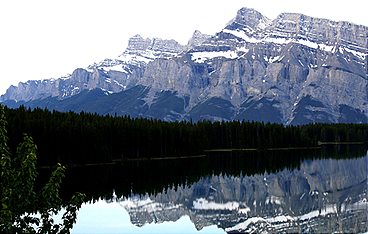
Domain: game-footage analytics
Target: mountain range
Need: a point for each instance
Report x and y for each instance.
(294, 69)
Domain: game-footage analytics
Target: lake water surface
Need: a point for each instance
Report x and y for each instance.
(239, 192)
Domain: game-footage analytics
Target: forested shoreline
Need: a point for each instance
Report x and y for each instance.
(89, 138)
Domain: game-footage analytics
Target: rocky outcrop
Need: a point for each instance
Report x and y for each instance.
(322, 31)
(137, 43)
(197, 39)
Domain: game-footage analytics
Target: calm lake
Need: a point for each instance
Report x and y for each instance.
(320, 190)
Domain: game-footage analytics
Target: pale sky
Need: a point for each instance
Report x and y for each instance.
(42, 39)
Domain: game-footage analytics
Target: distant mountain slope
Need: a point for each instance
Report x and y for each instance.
(294, 69)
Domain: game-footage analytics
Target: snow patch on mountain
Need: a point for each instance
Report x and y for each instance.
(201, 57)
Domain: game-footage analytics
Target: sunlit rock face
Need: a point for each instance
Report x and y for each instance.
(294, 69)
(322, 196)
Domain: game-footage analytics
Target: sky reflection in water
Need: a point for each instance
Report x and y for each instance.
(103, 217)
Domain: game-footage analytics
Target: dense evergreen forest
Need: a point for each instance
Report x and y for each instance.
(73, 138)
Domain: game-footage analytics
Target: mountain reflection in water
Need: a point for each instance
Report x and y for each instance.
(317, 195)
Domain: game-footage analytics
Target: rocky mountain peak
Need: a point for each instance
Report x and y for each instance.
(197, 39)
(169, 46)
(248, 18)
(139, 44)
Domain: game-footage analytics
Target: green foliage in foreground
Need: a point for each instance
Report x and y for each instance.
(23, 210)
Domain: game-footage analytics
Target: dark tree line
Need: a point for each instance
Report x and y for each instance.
(90, 138)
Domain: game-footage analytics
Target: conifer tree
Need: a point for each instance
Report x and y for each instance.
(20, 203)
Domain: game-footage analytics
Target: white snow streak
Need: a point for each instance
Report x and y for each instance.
(115, 68)
(282, 40)
(201, 57)
(360, 55)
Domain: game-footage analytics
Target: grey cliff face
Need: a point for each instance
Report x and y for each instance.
(321, 30)
(295, 68)
(248, 20)
(197, 39)
(137, 43)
